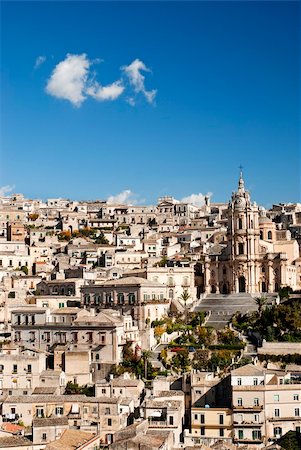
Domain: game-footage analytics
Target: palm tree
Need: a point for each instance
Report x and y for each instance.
(260, 302)
(146, 355)
(185, 296)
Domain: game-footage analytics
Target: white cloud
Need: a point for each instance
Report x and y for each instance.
(4, 190)
(126, 197)
(72, 79)
(39, 61)
(102, 93)
(196, 199)
(68, 79)
(136, 79)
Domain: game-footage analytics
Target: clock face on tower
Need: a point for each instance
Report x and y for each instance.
(240, 202)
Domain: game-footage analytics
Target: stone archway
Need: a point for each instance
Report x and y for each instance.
(225, 288)
(242, 284)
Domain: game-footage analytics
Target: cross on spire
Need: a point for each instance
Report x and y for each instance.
(240, 169)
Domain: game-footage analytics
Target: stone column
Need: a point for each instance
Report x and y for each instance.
(207, 276)
(282, 278)
(270, 276)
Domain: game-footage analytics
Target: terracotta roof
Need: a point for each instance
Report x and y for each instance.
(49, 421)
(47, 390)
(11, 427)
(247, 370)
(70, 440)
(14, 441)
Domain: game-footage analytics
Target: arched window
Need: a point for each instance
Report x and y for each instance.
(269, 235)
(240, 248)
(170, 281)
(86, 299)
(131, 298)
(97, 299)
(170, 294)
(120, 299)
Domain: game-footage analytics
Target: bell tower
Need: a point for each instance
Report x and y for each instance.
(243, 239)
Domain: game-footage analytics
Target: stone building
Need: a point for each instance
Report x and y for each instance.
(255, 257)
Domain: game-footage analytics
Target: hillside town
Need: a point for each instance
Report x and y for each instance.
(171, 326)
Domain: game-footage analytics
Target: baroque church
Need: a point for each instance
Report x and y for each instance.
(253, 256)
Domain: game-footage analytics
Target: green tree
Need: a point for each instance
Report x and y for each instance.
(201, 359)
(260, 302)
(24, 269)
(163, 262)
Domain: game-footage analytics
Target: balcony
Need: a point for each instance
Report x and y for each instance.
(74, 415)
(283, 419)
(157, 423)
(244, 408)
(248, 441)
(247, 424)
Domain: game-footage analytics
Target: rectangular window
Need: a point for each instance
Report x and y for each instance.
(44, 436)
(202, 431)
(277, 412)
(109, 422)
(255, 381)
(202, 418)
(297, 412)
(40, 412)
(221, 432)
(59, 411)
(195, 417)
(239, 381)
(256, 417)
(29, 368)
(239, 401)
(276, 398)
(256, 434)
(15, 368)
(296, 397)
(256, 401)
(240, 434)
(170, 420)
(221, 419)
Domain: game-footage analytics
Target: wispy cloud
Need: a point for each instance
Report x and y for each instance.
(102, 93)
(7, 189)
(137, 80)
(196, 199)
(126, 197)
(39, 61)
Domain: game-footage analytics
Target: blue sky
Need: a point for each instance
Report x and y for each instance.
(224, 78)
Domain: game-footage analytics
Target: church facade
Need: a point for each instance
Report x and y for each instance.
(253, 255)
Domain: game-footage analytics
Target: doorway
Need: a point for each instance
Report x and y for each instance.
(242, 284)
